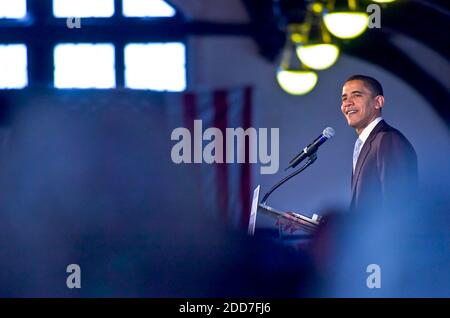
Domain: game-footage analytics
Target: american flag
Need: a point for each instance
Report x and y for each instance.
(227, 186)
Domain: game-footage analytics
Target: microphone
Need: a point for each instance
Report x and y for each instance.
(312, 147)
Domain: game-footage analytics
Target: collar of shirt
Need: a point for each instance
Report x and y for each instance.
(366, 132)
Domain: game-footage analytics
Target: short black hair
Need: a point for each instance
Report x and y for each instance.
(373, 84)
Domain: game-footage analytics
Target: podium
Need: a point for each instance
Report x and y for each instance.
(288, 220)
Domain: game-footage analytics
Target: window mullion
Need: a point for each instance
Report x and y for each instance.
(120, 64)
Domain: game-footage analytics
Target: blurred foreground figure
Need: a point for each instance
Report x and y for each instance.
(404, 254)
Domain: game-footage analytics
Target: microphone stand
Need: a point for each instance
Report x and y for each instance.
(310, 161)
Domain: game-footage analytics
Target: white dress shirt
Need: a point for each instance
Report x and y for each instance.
(362, 139)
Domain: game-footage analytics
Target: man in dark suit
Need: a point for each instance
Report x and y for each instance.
(384, 162)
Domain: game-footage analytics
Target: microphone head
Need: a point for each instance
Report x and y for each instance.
(328, 132)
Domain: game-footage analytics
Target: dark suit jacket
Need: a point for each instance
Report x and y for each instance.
(385, 175)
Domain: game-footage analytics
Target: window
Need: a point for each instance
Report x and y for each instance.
(156, 66)
(83, 8)
(13, 9)
(147, 8)
(84, 66)
(13, 66)
(138, 46)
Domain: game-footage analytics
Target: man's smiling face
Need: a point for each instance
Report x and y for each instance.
(359, 106)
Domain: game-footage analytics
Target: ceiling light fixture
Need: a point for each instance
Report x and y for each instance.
(344, 19)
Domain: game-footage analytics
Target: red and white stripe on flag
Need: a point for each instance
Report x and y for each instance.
(226, 186)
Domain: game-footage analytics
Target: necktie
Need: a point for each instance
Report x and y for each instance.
(356, 151)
